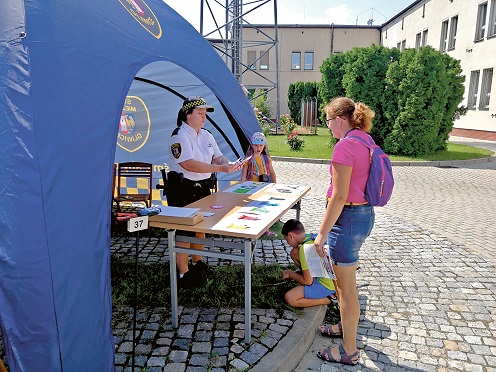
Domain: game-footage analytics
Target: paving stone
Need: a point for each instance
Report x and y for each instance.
(156, 362)
(178, 356)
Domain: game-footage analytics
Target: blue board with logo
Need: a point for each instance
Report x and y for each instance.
(85, 84)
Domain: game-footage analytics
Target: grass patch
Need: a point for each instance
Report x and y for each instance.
(225, 289)
(318, 147)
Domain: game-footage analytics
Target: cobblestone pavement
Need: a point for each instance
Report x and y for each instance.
(430, 303)
(431, 267)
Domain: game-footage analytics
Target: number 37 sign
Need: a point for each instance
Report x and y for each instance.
(137, 224)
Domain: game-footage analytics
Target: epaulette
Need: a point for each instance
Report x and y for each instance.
(175, 131)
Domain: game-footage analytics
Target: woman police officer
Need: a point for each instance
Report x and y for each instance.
(196, 156)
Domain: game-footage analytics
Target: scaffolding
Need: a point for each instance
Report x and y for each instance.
(227, 20)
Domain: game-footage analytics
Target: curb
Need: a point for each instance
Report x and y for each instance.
(295, 344)
(444, 163)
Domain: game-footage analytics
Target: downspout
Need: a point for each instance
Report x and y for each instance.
(332, 39)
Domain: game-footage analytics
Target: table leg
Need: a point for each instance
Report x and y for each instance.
(171, 234)
(248, 249)
(297, 206)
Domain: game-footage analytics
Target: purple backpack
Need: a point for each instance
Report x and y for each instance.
(381, 181)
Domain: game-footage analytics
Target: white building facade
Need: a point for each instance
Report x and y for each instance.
(464, 29)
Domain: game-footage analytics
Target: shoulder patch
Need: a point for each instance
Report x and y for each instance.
(176, 150)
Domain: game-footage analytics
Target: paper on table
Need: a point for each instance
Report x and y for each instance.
(319, 267)
(177, 211)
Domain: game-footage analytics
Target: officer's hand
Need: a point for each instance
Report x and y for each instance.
(230, 168)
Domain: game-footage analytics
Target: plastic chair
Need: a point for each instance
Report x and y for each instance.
(138, 171)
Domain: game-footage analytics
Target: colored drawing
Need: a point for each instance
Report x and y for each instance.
(237, 227)
(247, 187)
(262, 210)
(245, 217)
(242, 190)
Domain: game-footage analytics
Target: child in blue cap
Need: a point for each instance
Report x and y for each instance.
(259, 167)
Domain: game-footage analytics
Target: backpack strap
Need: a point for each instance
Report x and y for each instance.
(370, 144)
(265, 158)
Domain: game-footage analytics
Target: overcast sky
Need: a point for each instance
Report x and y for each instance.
(299, 11)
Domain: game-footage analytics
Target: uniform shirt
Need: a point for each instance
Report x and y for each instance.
(352, 153)
(187, 144)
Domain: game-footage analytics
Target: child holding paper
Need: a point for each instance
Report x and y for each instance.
(312, 291)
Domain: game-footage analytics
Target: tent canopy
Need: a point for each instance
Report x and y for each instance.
(66, 68)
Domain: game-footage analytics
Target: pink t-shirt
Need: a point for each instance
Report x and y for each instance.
(352, 153)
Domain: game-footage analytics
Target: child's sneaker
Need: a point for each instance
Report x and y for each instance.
(333, 307)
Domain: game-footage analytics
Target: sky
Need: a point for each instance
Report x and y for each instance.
(340, 12)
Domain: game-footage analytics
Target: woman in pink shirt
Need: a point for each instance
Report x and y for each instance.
(348, 219)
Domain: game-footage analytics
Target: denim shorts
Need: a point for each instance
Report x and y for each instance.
(316, 290)
(349, 232)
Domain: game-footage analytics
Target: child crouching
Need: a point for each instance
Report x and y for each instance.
(311, 291)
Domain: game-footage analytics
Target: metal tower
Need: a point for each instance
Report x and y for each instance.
(225, 23)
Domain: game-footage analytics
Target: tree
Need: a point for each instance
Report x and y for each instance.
(296, 92)
(331, 85)
(415, 94)
(422, 96)
(365, 80)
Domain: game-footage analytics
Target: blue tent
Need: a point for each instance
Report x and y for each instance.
(66, 69)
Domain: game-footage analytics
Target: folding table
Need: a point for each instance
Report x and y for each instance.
(244, 210)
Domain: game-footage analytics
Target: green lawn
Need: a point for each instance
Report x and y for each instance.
(319, 147)
(224, 289)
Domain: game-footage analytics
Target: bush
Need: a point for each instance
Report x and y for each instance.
(263, 105)
(295, 141)
(287, 124)
(260, 117)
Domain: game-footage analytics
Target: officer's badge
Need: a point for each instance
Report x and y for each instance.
(176, 150)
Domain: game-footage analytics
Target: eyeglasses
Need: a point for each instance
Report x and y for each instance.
(330, 119)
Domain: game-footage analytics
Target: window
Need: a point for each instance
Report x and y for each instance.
(308, 60)
(398, 46)
(296, 61)
(424, 37)
(264, 60)
(444, 36)
(251, 93)
(452, 33)
(472, 90)
(403, 45)
(252, 59)
(480, 30)
(485, 94)
(492, 20)
(418, 39)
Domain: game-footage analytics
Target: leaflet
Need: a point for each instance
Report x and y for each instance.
(319, 267)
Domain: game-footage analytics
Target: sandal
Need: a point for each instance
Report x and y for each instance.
(326, 330)
(344, 358)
